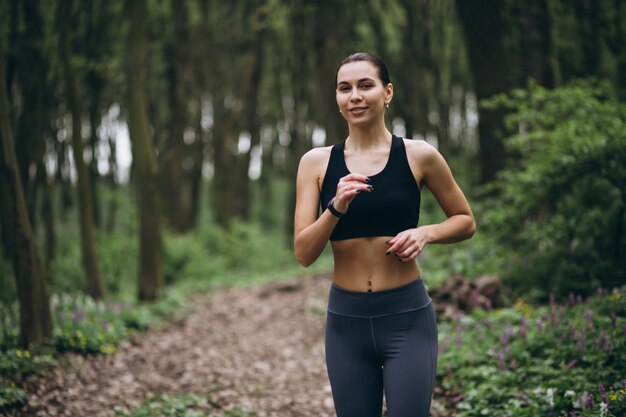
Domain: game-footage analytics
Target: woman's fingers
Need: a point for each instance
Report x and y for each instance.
(406, 245)
(348, 187)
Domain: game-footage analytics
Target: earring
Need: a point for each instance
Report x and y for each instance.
(387, 105)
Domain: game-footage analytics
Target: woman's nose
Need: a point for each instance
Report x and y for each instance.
(356, 95)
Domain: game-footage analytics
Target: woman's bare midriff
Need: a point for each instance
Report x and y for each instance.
(361, 265)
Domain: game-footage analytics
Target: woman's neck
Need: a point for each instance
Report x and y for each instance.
(368, 137)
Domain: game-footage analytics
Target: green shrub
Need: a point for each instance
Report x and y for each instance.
(11, 396)
(22, 362)
(559, 360)
(560, 205)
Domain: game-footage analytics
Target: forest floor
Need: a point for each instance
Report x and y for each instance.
(259, 348)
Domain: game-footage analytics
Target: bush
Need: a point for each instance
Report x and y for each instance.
(11, 396)
(558, 360)
(560, 205)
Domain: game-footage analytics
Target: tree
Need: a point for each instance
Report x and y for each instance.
(484, 30)
(144, 159)
(177, 201)
(95, 286)
(30, 276)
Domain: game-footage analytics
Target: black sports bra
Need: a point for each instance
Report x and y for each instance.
(393, 205)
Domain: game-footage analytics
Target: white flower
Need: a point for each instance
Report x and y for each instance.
(569, 393)
(550, 396)
(604, 409)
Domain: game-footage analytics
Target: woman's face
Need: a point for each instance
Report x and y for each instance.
(361, 95)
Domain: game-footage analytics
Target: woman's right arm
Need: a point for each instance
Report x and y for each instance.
(310, 232)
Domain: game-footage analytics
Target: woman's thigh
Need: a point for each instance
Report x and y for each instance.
(409, 342)
(354, 368)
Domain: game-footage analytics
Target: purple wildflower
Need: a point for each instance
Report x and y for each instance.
(501, 364)
(523, 328)
(580, 343)
(602, 391)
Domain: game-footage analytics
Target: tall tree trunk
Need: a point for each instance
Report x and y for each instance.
(33, 119)
(327, 56)
(536, 37)
(414, 68)
(589, 21)
(95, 286)
(34, 299)
(174, 179)
(251, 104)
(484, 30)
(144, 160)
(300, 140)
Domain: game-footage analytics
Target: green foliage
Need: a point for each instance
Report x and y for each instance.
(23, 362)
(556, 360)
(165, 405)
(84, 325)
(11, 396)
(560, 205)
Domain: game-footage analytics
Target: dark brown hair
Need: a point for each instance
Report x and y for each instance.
(374, 60)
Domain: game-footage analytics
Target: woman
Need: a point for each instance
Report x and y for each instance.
(381, 332)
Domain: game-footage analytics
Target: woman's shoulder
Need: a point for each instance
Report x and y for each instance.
(421, 151)
(316, 156)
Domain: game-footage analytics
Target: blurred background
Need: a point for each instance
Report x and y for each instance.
(153, 144)
(225, 97)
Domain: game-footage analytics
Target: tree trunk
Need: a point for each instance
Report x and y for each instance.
(175, 182)
(300, 71)
(537, 42)
(95, 286)
(414, 68)
(327, 25)
(251, 103)
(484, 30)
(144, 159)
(33, 118)
(32, 289)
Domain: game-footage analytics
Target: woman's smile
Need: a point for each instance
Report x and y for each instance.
(357, 110)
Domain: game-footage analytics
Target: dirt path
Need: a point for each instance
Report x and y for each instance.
(259, 348)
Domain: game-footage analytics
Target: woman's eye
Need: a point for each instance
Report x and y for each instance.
(366, 86)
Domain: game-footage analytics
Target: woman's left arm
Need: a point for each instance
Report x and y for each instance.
(459, 224)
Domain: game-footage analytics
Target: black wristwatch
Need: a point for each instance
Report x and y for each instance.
(333, 210)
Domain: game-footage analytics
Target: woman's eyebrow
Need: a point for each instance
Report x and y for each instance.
(359, 81)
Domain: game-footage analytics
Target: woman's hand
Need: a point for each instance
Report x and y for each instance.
(408, 244)
(347, 188)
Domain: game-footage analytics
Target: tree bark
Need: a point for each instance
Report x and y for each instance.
(95, 286)
(176, 182)
(537, 42)
(33, 295)
(259, 28)
(327, 26)
(300, 72)
(33, 118)
(150, 282)
(484, 30)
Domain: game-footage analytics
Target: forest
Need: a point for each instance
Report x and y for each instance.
(148, 157)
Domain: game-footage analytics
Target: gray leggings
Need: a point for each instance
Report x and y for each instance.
(381, 340)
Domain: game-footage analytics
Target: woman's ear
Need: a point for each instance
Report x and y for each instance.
(389, 93)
